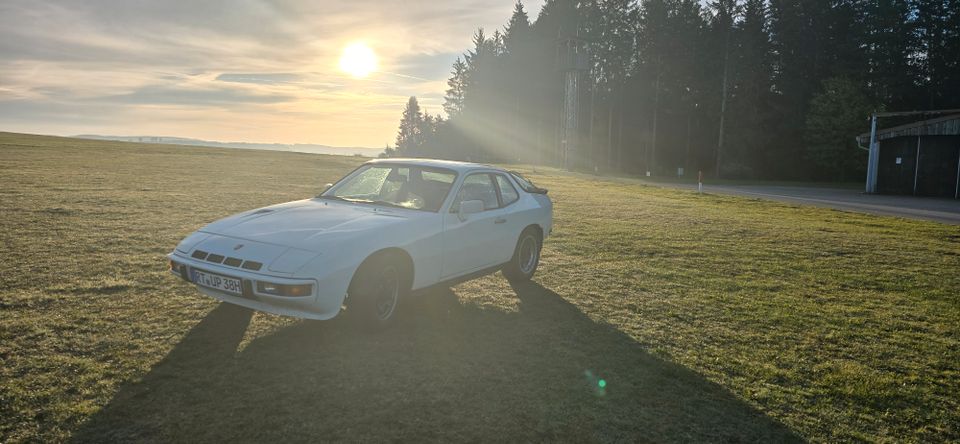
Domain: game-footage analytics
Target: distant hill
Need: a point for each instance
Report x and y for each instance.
(296, 147)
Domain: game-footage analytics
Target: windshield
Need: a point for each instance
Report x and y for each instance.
(406, 186)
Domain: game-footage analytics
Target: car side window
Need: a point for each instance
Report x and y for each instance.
(477, 186)
(508, 194)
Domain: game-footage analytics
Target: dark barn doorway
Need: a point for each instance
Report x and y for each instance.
(937, 172)
(920, 158)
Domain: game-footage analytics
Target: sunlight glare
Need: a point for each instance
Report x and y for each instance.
(358, 60)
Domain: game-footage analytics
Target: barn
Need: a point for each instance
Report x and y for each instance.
(920, 158)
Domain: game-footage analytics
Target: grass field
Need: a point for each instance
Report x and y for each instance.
(691, 179)
(709, 318)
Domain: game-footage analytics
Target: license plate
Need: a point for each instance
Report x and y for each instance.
(222, 283)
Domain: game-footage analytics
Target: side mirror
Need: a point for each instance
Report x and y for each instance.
(327, 187)
(469, 207)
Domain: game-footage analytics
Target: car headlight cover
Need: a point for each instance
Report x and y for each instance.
(191, 241)
(291, 260)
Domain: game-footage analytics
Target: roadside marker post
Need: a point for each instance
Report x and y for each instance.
(700, 182)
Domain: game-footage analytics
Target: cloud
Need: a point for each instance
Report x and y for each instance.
(156, 94)
(269, 79)
(267, 67)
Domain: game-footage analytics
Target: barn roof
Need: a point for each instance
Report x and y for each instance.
(941, 126)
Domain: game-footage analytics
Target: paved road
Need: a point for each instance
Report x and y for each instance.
(925, 208)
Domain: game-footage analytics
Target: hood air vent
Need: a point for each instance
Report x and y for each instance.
(229, 261)
(251, 265)
(233, 262)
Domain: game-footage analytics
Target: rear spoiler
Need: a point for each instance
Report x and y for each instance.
(537, 190)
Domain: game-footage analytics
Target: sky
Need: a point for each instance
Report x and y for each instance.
(232, 71)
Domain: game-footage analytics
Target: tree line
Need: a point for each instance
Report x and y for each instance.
(736, 88)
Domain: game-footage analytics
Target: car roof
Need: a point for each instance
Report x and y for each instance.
(455, 165)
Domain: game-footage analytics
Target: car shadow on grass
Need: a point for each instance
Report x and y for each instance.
(448, 371)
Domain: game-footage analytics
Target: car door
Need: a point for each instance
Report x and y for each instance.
(511, 220)
(471, 245)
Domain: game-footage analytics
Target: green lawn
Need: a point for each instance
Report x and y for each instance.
(708, 318)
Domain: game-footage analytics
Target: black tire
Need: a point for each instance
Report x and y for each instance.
(526, 256)
(376, 290)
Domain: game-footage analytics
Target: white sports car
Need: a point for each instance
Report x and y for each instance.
(388, 227)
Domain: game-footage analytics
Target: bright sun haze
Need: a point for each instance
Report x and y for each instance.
(358, 60)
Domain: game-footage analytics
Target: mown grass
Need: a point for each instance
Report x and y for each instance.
(710, 181)
(709, 318)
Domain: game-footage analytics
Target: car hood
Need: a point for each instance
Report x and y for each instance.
(306, 224)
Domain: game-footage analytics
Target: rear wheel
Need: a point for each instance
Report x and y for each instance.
(526, 257)
(375, 292)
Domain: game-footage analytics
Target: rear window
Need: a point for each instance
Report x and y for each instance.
(527, 185)
(507, 192)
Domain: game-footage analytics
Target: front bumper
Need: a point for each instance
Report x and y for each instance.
(324, 303)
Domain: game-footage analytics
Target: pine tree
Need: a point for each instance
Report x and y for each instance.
(685, 80)
(409, 136)
(671, 77)
(653, 42)
(836, 114)
(518, 83)
(795, 46)
(478, 65)
(388, 151)
(613, 54)
(751, 90)
(517, 34)
(889, 44)
(428, 128)
(724, 15)
(937, 29)
(457, 85)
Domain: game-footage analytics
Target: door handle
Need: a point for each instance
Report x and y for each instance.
(499, 220)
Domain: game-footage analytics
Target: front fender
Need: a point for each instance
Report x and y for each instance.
(345, 251)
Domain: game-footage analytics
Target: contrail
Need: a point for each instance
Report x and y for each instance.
(406, 76)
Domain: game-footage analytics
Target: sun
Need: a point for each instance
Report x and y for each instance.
(358, 60)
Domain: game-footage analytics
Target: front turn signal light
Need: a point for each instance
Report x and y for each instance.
(284, 290)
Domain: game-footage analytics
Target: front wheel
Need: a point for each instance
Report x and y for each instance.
(526, 257)
(375, 293)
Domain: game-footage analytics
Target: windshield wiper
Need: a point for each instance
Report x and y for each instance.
(331, 197)
(389, 204)
(366, 201)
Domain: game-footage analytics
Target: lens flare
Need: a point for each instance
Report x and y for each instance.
(597, 385)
